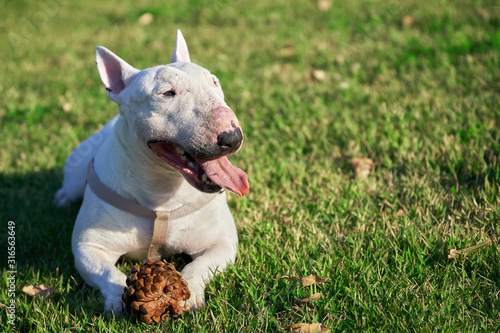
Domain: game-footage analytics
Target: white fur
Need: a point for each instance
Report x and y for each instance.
(123, 161)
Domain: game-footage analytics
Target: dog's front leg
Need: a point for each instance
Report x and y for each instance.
(97, 267)
(202, 268)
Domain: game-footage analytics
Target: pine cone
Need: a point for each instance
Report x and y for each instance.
(154, 291)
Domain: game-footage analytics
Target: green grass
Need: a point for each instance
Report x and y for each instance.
(421, 101)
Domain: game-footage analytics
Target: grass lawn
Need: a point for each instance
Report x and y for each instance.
(414, 86)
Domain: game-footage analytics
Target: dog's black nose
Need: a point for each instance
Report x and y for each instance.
(230, 141)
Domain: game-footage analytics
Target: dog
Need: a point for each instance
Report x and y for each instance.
(165, 152)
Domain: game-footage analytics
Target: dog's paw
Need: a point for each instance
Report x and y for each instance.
(114, 306)
(196, 301)
(61, 198)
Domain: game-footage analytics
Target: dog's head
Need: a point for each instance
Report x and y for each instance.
(178, 111)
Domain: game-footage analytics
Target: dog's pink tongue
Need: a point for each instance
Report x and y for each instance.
(226, 175)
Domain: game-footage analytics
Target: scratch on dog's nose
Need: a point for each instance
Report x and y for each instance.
(214, 99)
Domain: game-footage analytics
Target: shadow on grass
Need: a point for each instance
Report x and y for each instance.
(43, 245)
(43, 232)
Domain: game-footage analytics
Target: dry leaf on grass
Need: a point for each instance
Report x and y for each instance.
(318, 75)
(145, 19)
(399, 213)
(41, 290)
(66, 107)
(307, 280)
(313, 279)
(324, 5)
(407, 20)
(362, 166)
(288, 50)
(344, 85)
(306, 328)
(311, 298)
(455, 254)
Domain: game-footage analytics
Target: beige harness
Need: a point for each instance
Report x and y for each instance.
(161, 218)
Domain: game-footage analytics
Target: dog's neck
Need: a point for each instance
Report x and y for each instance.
(150, 181)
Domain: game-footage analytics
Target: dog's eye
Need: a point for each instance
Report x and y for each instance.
(169, 93)
(216, 81)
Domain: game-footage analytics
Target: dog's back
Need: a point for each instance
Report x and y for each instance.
(75, 168)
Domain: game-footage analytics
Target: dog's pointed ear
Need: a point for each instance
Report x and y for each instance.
(115, 73)
(181, 52)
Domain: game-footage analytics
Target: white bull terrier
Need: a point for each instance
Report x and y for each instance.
(152, 178)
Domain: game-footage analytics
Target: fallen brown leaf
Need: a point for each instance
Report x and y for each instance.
(324, 5)
(455, 254)
(399, 213)
(306, 328)
(318, 74)
(313, 279)
(355, 67)
(407, 20)
(41, 290)
(66, 107)
(344, 85)
(307, 280)
(145, 19)
(362, 166)
(311, 298)
(288, 50)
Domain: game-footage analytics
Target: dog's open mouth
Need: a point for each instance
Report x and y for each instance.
(206, 175)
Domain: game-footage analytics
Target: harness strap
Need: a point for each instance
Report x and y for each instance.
(160, 231)
(161, 218)
(114, 199)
